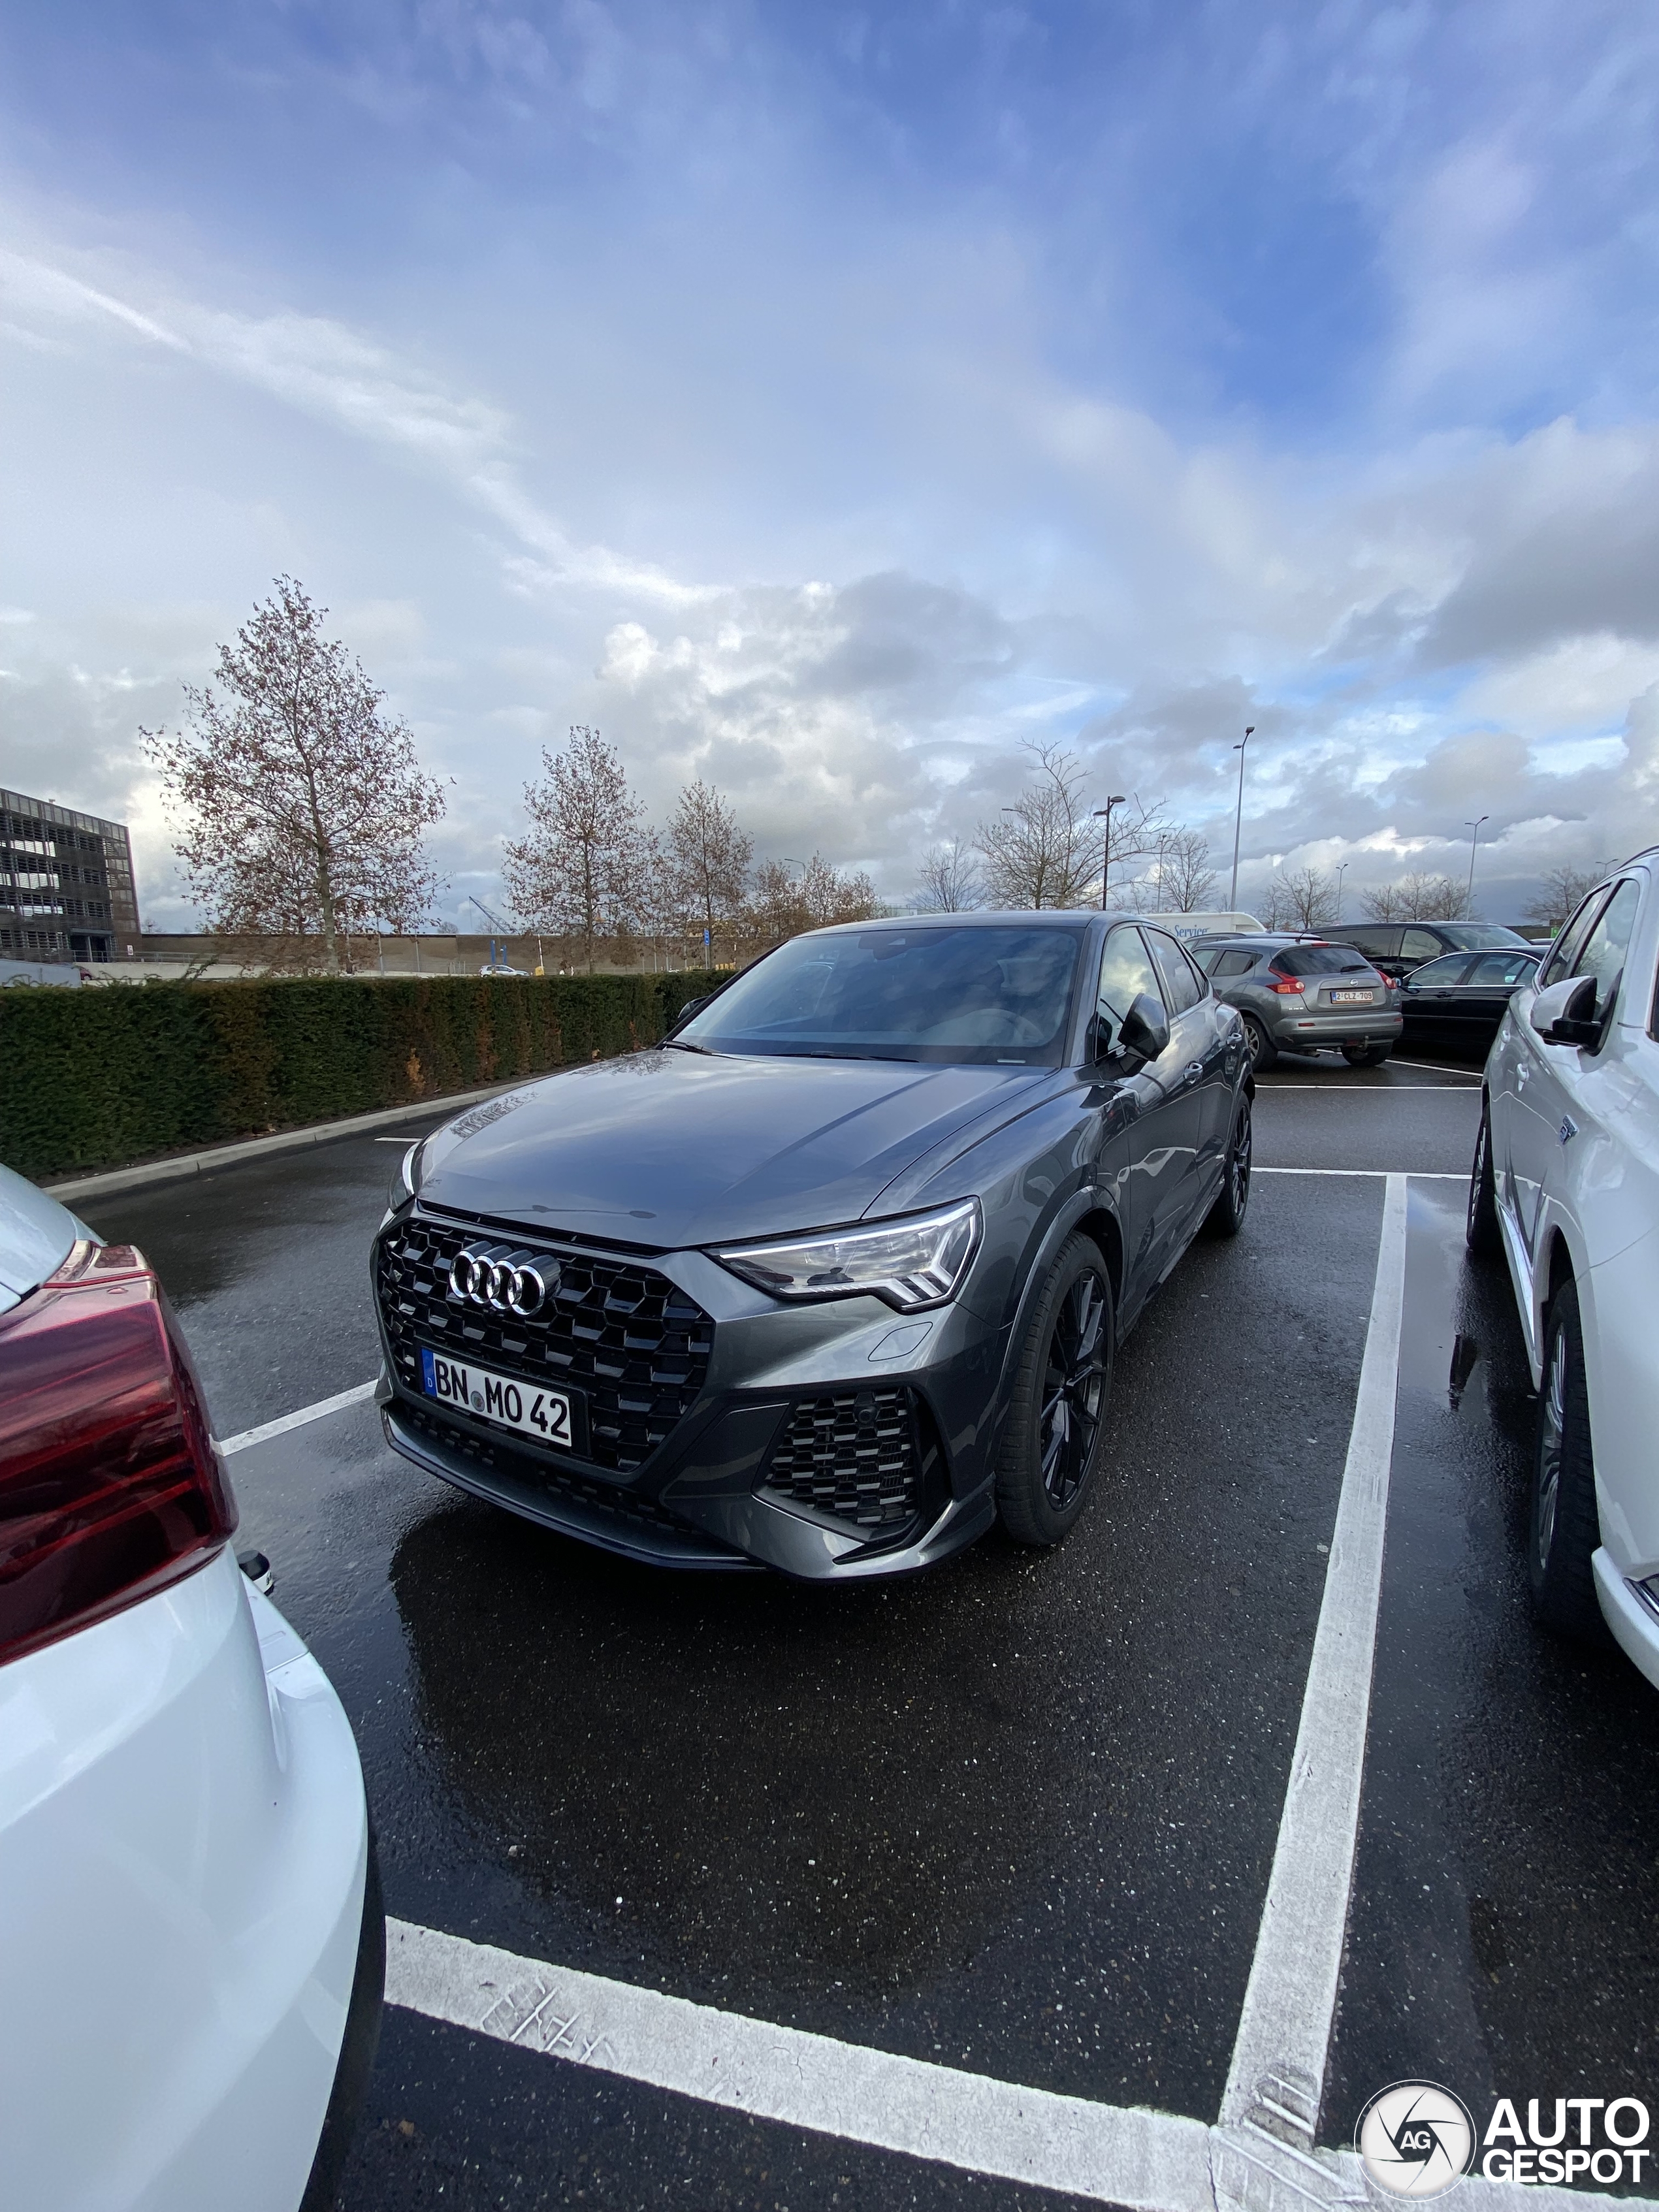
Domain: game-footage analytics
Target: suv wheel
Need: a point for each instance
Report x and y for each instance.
(1563, 1530)
(1263, 1051)
(1481, 1232)
(1051, 1441)
(1226, 1216)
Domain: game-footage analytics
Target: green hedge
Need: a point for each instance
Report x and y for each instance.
(97, 1078)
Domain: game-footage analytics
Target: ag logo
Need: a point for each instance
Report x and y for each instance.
(1415, 2139)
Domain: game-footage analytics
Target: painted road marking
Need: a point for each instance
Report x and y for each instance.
(1382, 1175)
(278, 1428)
(1286, 2024)
(1146, 2159)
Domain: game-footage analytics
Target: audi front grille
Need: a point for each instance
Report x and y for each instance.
(633, 1344)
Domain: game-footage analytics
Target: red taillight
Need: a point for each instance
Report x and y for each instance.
(1287, 987)
(110, 1487)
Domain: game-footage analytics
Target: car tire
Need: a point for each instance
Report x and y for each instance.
(1563, 1527)
(1263, 1051)
(1051, 1439)
(1366, 1055)
(1226, 1216)
(1481, 1232)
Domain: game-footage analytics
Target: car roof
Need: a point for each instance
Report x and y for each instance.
(1044, 917)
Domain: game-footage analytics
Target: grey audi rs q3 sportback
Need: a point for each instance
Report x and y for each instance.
(833, 1278)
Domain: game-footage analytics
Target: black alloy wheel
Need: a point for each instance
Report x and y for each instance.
(1263, 1051)
(1051, 1440)
(1563, 1528)
(1226, 1216)
(1481, 1232)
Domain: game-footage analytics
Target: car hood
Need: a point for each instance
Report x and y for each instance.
(668, 1149)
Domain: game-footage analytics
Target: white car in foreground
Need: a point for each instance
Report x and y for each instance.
(192, 1945)
(1566, 1184)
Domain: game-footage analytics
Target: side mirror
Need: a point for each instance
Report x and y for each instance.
(1565, 1013)
(690, 1007)
(1146, 1027)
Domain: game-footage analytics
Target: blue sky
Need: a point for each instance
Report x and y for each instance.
(824, 400)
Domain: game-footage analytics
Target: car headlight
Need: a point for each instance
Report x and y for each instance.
(912, 1263)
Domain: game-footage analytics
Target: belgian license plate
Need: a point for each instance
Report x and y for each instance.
(1351, 997)
(507, 1399)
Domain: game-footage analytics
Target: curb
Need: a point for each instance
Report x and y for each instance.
(251, 1148)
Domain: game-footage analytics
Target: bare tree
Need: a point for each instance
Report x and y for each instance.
(1301, 898)
(783, 905)
(707, 859)
(583, 869)
(1185, 877)
(1419, 897)
(1047, 849)
(299, 807)
(950, 879)
(1562, 889)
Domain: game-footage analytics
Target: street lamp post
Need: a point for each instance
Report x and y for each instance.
(1341, 871)
(1105, 814)
(1238, 818)
(1473, 829)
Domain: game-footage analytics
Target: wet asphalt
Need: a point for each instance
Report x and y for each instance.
(1016, 1815)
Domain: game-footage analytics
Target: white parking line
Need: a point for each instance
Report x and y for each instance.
(1154, 2160)
(277, 1428)
(1286, 2024)
(1333, 1089)
(1375, 1175)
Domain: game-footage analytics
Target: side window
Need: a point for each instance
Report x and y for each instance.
(1125, 974)
(1419, 945)
(1206, 957)
(1233, 963)
(1559, 962)
(1603, 954)
(1375, 941)
(1495, 968)
(1181, 989)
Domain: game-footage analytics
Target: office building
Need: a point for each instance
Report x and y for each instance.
(66, 884)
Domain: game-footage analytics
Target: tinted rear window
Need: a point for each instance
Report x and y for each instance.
(1320, 960)
(1477, 936)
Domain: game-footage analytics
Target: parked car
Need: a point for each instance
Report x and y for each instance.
(834, 1278)
(1456, 1003)
(1395, 948)
(1565, 1184)
(1296, 993)
(190, 1913)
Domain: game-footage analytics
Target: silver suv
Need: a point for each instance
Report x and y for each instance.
(1301, 995)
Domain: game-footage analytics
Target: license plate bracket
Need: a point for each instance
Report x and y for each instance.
(556, 1419)
(1351, 997)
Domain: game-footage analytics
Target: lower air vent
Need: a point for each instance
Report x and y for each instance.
(852, 1455)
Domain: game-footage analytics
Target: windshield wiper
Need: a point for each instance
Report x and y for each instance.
(684, 1044)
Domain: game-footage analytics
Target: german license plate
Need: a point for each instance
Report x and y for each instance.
(506, 1399)
(1351, 997)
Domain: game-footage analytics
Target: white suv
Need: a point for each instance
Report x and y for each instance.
(1566, 1181)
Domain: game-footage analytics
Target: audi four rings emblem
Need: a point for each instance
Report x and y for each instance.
(505, 1282)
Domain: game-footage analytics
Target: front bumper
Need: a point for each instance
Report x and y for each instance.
(710, 1495)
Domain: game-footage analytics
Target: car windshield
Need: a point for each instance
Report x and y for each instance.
(1478, 936)
(980, 994)
(1321, 960)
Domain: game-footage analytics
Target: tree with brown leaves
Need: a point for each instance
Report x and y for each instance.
(299, 808)
(584, 868)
